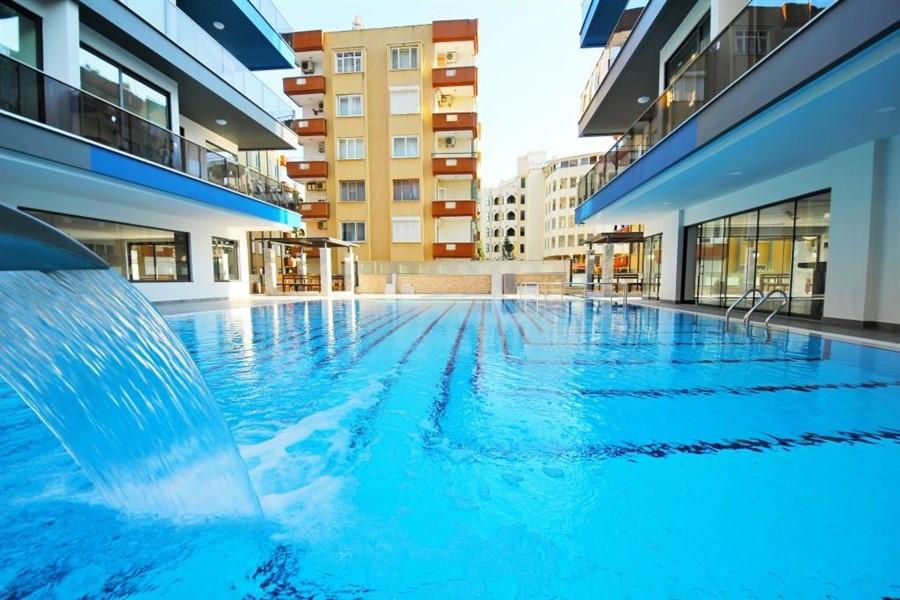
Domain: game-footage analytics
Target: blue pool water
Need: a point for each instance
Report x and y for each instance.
(479, 449)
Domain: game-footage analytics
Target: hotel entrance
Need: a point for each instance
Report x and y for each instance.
(779, 247)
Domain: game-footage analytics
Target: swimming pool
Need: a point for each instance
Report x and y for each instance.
(487, 449)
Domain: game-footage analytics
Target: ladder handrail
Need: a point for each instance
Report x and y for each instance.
(760, 303)
(738, 301)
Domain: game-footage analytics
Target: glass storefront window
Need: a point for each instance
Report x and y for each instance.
(652, 262)
(20, 35)
(225, 259)
(779, 247)
(138, 253)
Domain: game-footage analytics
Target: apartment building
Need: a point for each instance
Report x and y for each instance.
(759, 143)
(563, 238)
(139, 128)
(510, 213)
(389, 133)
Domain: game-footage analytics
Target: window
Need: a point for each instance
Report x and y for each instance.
(350, 105)
(225, 260)
(404, 58)
(573, 182)
(406, 189)
(521, 231)
(522, 199)
(351, 149)
(496, 200)
(511, 216)
(522, 214)
(109, 81)
(522, 248)
(353, 231)
(137, 253)
(753, 42)
(348, 62)
(20, 35)
(405, 100)
(522, 182)
(352, 191)
(692, 45)
(510, 199)
(405, 146)
(511, 232)
(406, 230)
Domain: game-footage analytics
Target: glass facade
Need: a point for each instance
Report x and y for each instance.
(20, 35)
(225, 260)
(140, 254)
(779, 247)
(652, 262)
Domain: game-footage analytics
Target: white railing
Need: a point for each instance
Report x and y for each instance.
(598, 74)
(271, 14)
(184, 31)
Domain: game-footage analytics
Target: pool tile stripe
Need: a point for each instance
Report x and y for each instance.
(516, 322)
(504, 343)
(443, 398)
(675, 361)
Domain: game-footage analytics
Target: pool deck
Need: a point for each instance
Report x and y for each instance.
(889, 340)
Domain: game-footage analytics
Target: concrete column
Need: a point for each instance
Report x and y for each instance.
(590, 259)
(349, 271)
(609, 262)
(303, 267)
(325, 269)
(270, 280)
(61, 37)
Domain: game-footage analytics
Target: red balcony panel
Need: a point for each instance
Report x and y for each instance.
(454, 250)
(310, 127)
(464, 121)
(454, 208)
(456, 30)
(313, 169)
(455, 77)
(463, 165)
(314, 210)
(307, 41)
(307, 84)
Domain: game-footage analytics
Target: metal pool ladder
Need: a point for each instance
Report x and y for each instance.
(738, 301)
(784, 300)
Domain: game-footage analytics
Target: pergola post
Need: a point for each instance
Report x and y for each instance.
(270, 270)
(325, 269)
(349, 271)
(608, 268)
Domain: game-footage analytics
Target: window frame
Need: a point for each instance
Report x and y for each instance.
(349, 98)
(407, 219)
(357, 187)
(356, 225)
(402, 183)
(226, 242)
(359, 143)
(406, 139)
(354, 56)
(405, 88)
(39, 31)
(412, 49)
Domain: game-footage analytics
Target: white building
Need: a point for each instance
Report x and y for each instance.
(511, 212)
(562, 236)
(139, 128)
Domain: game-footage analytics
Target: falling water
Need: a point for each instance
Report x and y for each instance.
(104, 372)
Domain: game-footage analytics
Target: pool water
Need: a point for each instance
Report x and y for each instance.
(488, 449)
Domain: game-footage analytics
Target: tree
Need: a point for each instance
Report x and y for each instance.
(508, 248)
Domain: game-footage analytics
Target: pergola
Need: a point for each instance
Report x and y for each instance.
(325, 245)
(607, 242)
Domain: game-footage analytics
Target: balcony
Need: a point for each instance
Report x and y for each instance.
(31, 94)
(300, 87)
(456, 77)
(453, 208)
(457, 121)
(717, 67)
(454, 250)
(313, 169)
(314, 210)
(463, 164)
(308, 128)
(307, 41)
(457, 30)
(252, 30)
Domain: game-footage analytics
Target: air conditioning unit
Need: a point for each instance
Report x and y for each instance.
(321, 147)
(452, 57)
(445, 100)
(323, 224)
(308, 67)
(321, 105)
(315, 186)
(449, 142)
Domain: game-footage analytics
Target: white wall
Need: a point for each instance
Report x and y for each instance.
(450, 229)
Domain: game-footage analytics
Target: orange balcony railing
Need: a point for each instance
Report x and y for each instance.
(307, 41)
(314, 210)
(456, 30)
(312, 169)
(309, 127)
(461, 121)
(307, 84)
(454, 208)
(454, 250)
(448, 164)
(455, 77)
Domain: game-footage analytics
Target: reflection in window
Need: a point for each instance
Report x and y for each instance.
(20, 35)
(137, 253)
(225, 259)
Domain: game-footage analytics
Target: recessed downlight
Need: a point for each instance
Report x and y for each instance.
(222, 122)
(219, 25)
(643, 99)
(736, 173)
(885, 109)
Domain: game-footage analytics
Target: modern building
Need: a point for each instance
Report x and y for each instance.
(139, 128)
(389, 132)
(510, 212)
(759, 142)
(563, 238)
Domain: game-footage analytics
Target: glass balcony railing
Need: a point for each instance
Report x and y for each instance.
(271, 14)
(184, 31)
(621, 33)
(27, 92)
(761, 27)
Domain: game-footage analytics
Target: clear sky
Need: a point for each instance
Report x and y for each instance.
(531, 68)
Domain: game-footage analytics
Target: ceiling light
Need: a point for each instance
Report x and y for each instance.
(885, 109)
(643, 99)
(734, 173)
(222, 122)
(219, 25)
(666, 203)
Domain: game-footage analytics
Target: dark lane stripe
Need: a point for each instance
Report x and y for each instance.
(360, 436)
(710, 391)
(531, 318)
(675, 361)
(604, 342)
(443, 398)
(516, 321)
(665, 449)
(386, 335)
(503, 342)
(479, 353)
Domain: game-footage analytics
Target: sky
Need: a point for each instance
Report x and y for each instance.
(531, 68)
